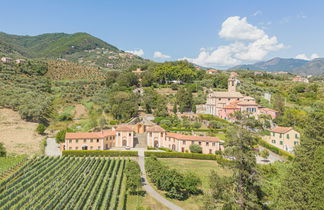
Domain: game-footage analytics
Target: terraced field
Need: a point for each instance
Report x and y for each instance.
(65, 183)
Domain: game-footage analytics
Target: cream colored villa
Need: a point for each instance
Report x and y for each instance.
(158, 137)
(285, 138)
(139, 135)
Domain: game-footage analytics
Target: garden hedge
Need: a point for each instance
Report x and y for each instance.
(104, 153)
(197, 156)
(276, 149)
(196, 129)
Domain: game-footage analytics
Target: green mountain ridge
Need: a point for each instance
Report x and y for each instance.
(79, 47)
(292, 65)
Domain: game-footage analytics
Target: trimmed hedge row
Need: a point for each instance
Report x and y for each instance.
(104, 153)
(275, 149)
(196, 129)
(197, 156)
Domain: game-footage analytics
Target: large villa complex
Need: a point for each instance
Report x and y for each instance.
(224, 103)
(139, 135)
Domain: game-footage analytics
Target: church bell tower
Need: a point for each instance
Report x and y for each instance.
(232, 82)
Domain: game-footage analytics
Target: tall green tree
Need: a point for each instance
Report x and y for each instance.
(242, 190)
(303, 186)
(184, 99)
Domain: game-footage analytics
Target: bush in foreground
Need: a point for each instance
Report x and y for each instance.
(195, 148)
(178, 186)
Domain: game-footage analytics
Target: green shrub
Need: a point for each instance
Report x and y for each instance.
(276, 149)
(60, 136)
(151, 148)
(43, 145)
(177, 185)
(197, 156)
(195, 148)
(113, 122)
(3, 151)
(166, 149)
(40, 129)
(103, 153)
(194, 129)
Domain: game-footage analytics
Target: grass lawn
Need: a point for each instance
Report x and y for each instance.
(147, 202)
(8, 162)
(221, 136)
(202, 169)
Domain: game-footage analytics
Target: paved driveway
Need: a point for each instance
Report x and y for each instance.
(273, 157)
(149, 189)
(52, 148)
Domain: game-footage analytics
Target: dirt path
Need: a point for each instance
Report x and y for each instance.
(18, 136)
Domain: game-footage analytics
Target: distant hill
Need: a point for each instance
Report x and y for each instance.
(78, 47)
(314, 67)
(273, 65)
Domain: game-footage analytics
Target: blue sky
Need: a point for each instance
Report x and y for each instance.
(215, 33)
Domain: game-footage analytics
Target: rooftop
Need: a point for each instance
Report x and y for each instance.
(124, 128)
(281, 129)
(155, 128)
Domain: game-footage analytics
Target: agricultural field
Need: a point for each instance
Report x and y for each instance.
(65, 183)
(7, 163)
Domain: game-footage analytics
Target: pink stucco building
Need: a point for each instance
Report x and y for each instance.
(225, 103)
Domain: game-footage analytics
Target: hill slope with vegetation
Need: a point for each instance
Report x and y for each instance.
(78, 47)
(295, 66)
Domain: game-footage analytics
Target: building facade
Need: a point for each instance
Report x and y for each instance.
(285, 138)
(224, 103)
(154, 136)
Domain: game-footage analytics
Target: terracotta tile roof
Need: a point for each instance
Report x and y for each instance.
(155, 128)
(234, 102)
(93, 135)
(231, 106)
(124, 128)
(281, 129)
(192, 138)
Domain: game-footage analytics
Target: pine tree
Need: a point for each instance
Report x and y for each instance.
(242, 190)
(303, 186)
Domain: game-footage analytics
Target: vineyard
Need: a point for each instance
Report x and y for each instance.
(65, 183)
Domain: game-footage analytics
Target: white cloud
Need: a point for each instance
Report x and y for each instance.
(304, 57)
(249, 44)
(160, 55)
(237, 28)
(138, 52)
(259, 12)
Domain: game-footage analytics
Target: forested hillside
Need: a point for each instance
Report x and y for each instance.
(81, 48)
